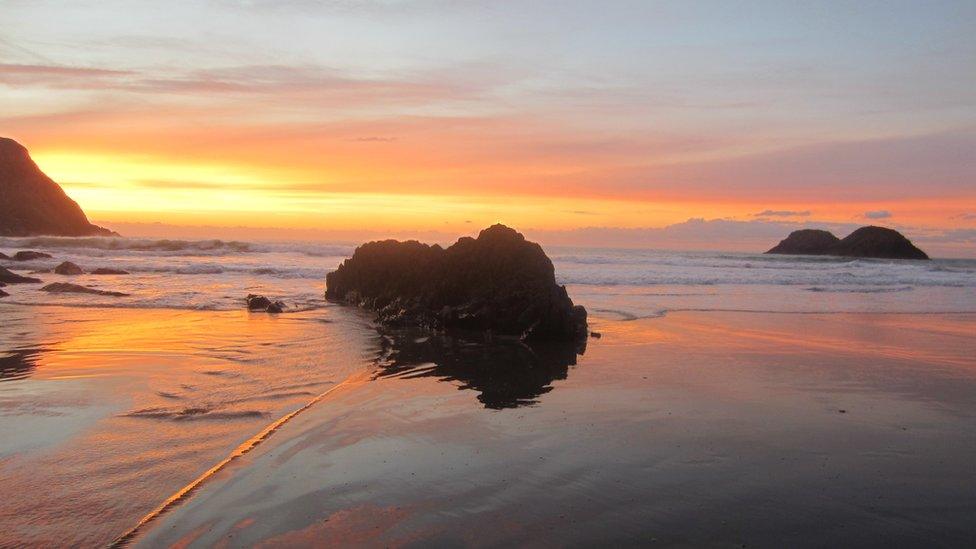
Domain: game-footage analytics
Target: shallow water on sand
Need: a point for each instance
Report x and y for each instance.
(104, 413)
(694, 429)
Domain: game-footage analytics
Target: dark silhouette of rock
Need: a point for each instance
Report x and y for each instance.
(499, 283)
(877, 242)
(4, 256)
(868, 242)
(68, 268)
(3, 293)
(67, 288)
(32, 204)
(30, 255)
(806, 242)
(257, 302)
(14, 278)
(263, 304)
(107, 271)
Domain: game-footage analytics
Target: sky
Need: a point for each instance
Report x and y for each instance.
(562, 118)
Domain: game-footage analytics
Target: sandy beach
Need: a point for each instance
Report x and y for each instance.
(692, 429)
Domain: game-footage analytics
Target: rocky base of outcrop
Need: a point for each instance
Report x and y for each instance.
(867, 242)
(498, 283)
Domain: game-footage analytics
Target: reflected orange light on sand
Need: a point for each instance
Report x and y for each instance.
(85, 349)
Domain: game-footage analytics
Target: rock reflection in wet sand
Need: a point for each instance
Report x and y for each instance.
(505, 372)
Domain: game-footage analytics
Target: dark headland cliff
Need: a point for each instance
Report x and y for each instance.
(871, 242)
(33, 204)
(498, 283)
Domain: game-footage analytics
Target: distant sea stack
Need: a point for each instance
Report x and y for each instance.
(869, 242)
(806, 242)
(32, 204)
(498, 283)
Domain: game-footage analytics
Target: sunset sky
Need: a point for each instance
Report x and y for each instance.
(447, 115)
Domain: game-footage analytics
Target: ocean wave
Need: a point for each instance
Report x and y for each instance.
(87, 301)
(883, 290)
(189, 247)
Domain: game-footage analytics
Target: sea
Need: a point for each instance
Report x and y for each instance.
(622, 284)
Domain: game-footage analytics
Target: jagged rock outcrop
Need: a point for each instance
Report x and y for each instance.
(67, 288)
(32, 204)
(868, 242)
(499, 282)
(9, 277)
(805, 242)
(68, 268)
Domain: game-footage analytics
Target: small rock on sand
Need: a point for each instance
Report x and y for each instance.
(263, 304)
(3, 293)
(14, 278)
(68, 268)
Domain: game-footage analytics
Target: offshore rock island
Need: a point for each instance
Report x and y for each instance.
(867, 242)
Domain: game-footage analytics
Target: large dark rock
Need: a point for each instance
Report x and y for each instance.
(30, 255)
(806, 242)
(878, 242)
(869, 242)
(32, 204)
(9, 277)
(498, 282)
(67, 288)
(68, 268)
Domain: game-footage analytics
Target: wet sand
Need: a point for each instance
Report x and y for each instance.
(703, 429)
(106, 412)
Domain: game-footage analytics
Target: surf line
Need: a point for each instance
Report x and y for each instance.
(248, 445)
